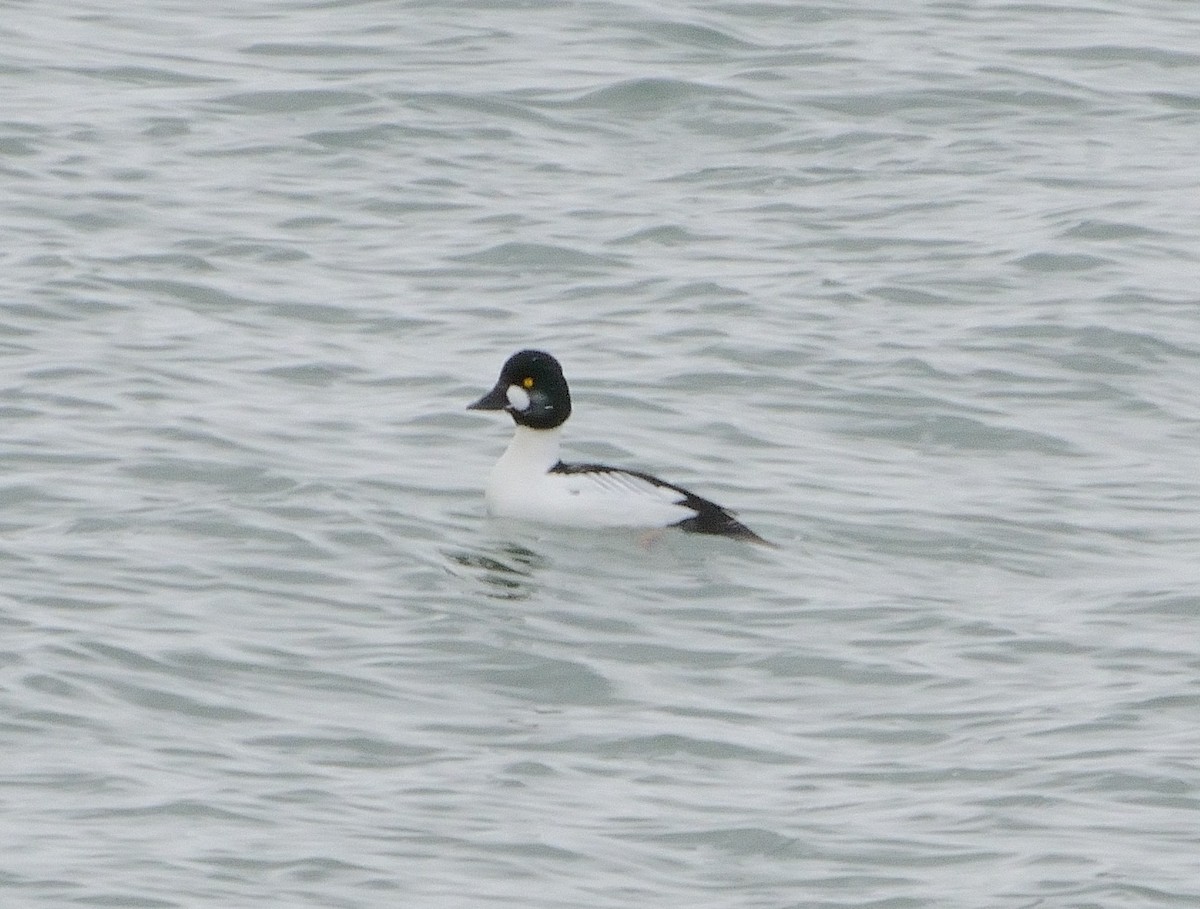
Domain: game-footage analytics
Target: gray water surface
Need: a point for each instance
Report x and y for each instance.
(912, 288)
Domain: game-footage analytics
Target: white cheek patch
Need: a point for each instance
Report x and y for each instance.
(518, 397)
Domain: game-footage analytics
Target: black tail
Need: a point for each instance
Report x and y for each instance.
(711, 518)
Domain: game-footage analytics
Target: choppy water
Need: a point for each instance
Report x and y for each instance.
(913, 288)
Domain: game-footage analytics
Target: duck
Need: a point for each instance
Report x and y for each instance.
(531, 483)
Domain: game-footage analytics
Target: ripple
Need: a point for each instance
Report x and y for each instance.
(292, 101)
(1059, 262)
(539, 256)
(655, 95)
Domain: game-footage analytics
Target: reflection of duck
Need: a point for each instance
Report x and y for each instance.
(529, 481)
(508, 571)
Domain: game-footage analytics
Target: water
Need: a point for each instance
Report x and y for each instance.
(911, 288)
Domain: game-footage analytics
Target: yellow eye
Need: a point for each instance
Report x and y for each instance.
(528, 383)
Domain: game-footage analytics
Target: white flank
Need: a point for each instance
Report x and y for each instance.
(521, 486)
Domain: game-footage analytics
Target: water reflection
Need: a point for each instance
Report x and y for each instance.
(506, 570)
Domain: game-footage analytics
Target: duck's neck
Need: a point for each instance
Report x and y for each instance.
(533, 450)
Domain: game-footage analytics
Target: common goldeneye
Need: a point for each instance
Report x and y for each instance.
(529, 481)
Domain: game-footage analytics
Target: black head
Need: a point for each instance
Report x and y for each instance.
(531, 387)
